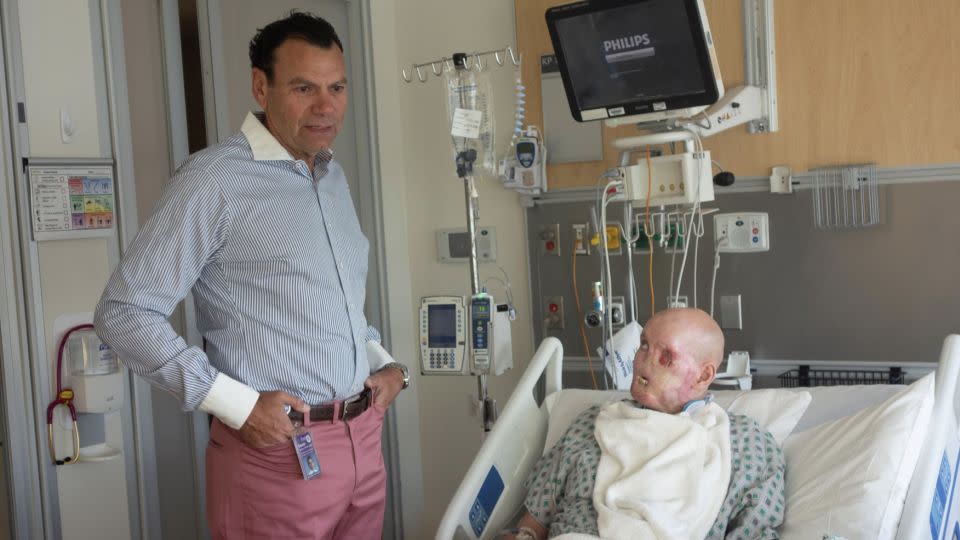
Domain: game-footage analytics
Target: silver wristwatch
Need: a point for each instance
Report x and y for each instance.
(403, 370)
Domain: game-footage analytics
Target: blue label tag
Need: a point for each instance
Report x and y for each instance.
(938, 506)
(486, 499)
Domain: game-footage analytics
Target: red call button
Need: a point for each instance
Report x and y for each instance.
(756, 230)
(554, 308)
(550, 245)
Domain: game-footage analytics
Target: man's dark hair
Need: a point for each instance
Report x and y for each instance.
(310, 28)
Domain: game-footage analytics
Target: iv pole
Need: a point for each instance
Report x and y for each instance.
(465, 160)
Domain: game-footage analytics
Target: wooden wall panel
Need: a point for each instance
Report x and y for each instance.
(858, 81)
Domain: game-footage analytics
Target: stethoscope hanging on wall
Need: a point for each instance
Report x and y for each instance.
(64, 398)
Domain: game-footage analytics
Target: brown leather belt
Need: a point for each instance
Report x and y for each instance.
(342, 410)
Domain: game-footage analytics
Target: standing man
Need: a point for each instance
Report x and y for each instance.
(263, 230)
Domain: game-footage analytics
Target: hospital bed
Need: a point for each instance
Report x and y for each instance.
(490, 498)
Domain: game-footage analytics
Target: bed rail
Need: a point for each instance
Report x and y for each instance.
(932, 507)
(493, 485)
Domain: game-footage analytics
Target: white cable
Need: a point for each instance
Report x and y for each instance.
(695, 210)
(696, 252)
(608, 291)
(716, 266)
(628, 219)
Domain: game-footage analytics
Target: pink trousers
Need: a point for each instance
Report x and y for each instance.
(261, 493)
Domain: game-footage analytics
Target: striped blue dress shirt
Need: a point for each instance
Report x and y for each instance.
(277, 263)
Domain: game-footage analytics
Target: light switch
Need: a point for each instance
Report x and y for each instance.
(731, 317)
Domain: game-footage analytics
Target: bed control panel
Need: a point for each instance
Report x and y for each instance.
(442, 335)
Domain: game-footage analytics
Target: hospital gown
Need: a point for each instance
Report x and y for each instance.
(560, 487)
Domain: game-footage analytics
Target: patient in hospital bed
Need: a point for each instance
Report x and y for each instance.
(667, 464)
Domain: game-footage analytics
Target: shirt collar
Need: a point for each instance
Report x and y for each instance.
(688, 407)
(264, 145)
(695, 404)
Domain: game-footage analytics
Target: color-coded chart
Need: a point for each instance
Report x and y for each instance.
(71, 201)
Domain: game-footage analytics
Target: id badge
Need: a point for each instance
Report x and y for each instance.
(306, 453)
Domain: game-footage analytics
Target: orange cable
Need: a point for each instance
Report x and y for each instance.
(583, 331)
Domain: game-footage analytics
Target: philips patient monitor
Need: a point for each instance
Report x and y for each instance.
(635, 60)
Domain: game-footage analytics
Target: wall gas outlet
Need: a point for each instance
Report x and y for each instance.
(613, 238)
(550, 239)
(553, 312)
(618, 313)
(581, 240)
(677, 301)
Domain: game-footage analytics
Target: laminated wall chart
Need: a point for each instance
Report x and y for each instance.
(71, 201)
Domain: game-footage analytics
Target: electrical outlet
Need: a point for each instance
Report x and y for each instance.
(618, 313)
(581, 242)
(553, 312)
(677, 301)
(550, 239)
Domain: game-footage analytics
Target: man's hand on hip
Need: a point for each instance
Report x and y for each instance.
(268, 424)
(385, 385)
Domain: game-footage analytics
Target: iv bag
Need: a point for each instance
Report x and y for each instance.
(469, 94)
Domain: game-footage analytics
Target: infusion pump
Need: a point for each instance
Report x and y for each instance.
(442, 335)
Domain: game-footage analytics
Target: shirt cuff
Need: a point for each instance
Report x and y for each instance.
(230, 400)
(377, 356)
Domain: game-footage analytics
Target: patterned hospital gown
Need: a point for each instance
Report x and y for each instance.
(560, 487)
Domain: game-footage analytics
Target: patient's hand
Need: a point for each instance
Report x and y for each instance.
(530, 529)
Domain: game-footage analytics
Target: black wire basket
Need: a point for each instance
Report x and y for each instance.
(804, 376)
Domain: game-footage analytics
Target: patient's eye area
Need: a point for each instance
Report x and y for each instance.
(666, 357)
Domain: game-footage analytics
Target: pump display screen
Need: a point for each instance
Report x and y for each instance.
(442, 326)
(640, 55)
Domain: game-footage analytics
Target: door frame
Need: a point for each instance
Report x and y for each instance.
(22, 453)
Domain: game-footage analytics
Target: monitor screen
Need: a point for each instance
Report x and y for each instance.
(628, 57)
(442, 326)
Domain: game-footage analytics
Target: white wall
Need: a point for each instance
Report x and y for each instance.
(450, 432)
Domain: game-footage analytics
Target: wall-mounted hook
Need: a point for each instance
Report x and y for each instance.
(496, 56)
(405, 75)
(478, 60)
(514, 58)
(420, 74)
(437, 68)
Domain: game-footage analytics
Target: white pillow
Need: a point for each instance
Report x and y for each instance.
(849, 477)
(776, 410)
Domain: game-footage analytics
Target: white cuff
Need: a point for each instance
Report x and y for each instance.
(377, 356)
(230, 400)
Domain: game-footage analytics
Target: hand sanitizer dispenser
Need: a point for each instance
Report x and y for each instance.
(93, 373)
